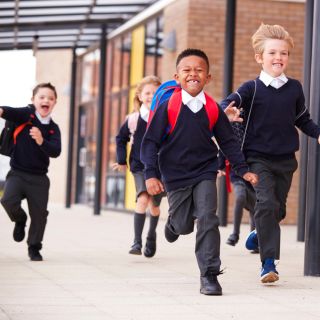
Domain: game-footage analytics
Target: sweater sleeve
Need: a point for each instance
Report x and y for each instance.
(51, 146)
(152, 141)
(122, 139)
(16, 115)
(229, 145)
(242, 97)
(303, 121)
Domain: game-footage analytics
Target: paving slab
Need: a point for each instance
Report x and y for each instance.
(87, 274)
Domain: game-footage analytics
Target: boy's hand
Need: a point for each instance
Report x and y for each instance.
(233, 113)
(221, 173)
(1, 112)
(154, 186)
(251, 177)
(36, 134)
(119, 167)
(319, 139)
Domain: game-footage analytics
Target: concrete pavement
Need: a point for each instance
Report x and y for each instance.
(88, 274)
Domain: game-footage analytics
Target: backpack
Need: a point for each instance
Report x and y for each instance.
(132, 124)
(170, 91)
(8, 136)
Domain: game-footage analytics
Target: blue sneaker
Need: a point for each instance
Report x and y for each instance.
(269, 273)
(252, 241)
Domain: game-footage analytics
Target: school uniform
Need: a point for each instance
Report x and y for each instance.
(135, 164)
(269, 147)
(188, 164)
(29, 164)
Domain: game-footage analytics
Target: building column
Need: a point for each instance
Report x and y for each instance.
(312, 234)
(100, 120)
(71, 128)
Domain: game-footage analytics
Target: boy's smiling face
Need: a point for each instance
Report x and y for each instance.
(44, 101)
(275, 57)
(192, 74)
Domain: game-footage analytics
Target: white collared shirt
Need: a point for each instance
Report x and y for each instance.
(276, 83)
(45, 120)
(194, 103)
(144, 112)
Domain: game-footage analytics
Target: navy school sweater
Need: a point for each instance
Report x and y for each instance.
(27, 155)
(123, 138)
(188, 155)
(276, 113)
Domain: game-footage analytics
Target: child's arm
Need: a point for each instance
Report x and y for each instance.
(119, 167)
(51, 146)
(240, 99)
(251, 177)
(303, 121)
(36, 134)
(154, 186)
(122, 138)
(17, 115)
(229, 145)
(150, 146)
(233, 113)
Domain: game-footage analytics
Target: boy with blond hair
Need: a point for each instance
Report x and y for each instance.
(278, 107)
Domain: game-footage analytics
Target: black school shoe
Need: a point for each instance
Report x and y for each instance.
(136, 248)
(209, 284)
(150, 248)
(34, 254)
(233, 239)
(18, 231)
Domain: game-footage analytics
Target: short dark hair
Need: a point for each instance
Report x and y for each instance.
(44, 85)
(192, 52)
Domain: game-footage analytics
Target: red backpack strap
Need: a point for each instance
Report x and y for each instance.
(174, 106)
(18, 129)
(212, 111)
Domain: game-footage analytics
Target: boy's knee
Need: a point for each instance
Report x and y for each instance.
(7, 203)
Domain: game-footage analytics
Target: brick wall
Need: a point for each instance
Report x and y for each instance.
(201, 24)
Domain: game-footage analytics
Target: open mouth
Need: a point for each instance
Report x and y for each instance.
(45, 107)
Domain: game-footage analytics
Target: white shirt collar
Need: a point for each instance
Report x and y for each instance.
(194, 103)
(268, 80)
(45, 120)
(144, 112)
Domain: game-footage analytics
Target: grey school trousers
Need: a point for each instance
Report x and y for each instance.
(198, 202)
(275, 179)
(35, 189)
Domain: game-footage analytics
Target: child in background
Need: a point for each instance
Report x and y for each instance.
(244, 198)
(27, 179)
(188, 163)
(272, 138)
(133, 129)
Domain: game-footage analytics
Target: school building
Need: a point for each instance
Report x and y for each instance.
(96, 84)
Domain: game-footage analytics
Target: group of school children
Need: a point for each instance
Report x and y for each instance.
(176, 134)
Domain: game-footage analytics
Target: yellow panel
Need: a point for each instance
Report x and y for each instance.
(136, 74)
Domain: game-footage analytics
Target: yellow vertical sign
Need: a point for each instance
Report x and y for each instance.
(136, 74)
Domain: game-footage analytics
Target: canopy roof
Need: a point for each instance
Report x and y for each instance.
(59, 24)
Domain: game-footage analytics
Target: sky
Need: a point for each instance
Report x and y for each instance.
(17, 79)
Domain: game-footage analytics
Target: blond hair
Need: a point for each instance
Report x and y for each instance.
(266, 32)
(146, 80)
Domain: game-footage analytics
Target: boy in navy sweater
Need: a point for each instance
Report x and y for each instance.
(27, 179)
(272, 138)
(189, 164)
